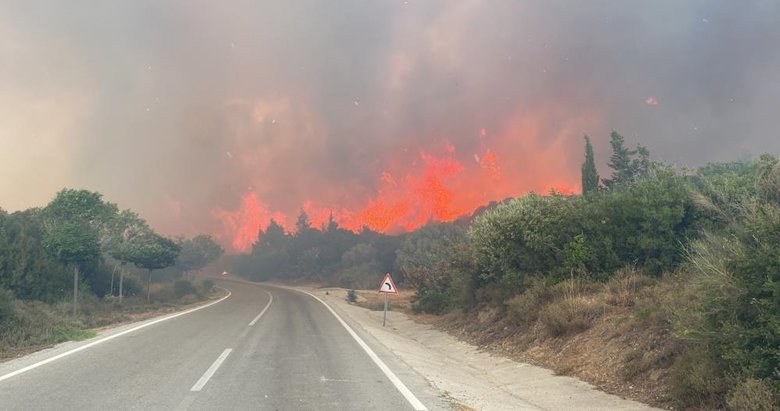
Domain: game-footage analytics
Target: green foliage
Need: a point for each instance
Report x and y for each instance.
(197, 252)
(152, 251)
(431, 300)
(524, 238)
(753, 394)
(73, 242)
(351, 296)
(768, 179)
(72, 334)
(207, 286)
(628, 166)
(7, 310)
(590, 177)
(361, 267)
(26, 267)
(576, 255)
(183, 287)
(78, 222)
(643, 224)
(733, 319)
(430, 261)
(723, 190)
(697, 379)
(523, 309)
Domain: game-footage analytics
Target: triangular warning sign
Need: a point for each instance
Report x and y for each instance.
(388, 285)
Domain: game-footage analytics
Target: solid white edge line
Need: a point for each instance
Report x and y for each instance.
(418, 406)
(110, 337)
(264, 309)
(210, 372)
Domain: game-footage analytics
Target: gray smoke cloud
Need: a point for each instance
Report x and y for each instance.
(178, 109)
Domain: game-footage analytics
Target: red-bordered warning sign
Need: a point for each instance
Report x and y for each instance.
(388, 285)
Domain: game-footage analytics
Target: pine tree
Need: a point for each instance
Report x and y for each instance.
(590, 177)
(620, 162)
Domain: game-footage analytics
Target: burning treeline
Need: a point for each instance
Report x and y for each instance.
(416, 186)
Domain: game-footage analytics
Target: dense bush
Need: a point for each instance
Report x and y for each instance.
(207, 286)
(431, 301)
(183, 287)
(732, 324)
(7, 310)
(524, 238)
(570, 315)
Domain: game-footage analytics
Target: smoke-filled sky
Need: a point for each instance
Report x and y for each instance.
(214, 117)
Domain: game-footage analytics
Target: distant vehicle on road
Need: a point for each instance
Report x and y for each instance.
(224, 273)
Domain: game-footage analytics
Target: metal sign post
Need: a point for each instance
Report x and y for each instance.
(387, 287)
(384, 318)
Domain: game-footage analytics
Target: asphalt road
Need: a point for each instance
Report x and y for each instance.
(295, 355)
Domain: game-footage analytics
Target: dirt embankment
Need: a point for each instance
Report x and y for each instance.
(614, 354)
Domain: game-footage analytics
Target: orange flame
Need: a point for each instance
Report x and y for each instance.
(435, 184)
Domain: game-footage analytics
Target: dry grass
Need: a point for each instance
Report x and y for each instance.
(614, 335)
(375, 301)
(35, 325)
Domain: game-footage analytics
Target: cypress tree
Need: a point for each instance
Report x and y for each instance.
(590, 177)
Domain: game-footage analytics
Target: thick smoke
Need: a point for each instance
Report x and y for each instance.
(216, 116)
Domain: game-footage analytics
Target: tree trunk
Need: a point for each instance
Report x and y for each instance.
(112, 279)
(121, 280)
(148, 285)
(75, 289)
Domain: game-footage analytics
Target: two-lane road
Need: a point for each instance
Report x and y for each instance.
(261, 348)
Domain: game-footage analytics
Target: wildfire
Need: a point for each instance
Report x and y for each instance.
(434, 186)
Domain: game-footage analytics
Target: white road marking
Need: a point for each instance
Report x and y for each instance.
(210, 372)
(418, 406)
(110, 337)
(264, 309)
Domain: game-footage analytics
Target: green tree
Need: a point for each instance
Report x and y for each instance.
(27, 268)
(273, 237)
(619, 162)
(127, 228)
(198, 252)
(628, 166)
(590, 177)
(360, 267)
(424, 257)
(77, 224)
(152, 252)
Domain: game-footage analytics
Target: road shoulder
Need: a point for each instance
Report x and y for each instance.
(11, 367)
(467, 375)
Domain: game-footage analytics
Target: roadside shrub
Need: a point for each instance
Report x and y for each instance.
(430, 301)
(697, 380)
(524, 237)
(7, 310)
(207, 286)
(163, 295)
(34, 323)
(183, 287)
(523, 309)
(352, 296)
(570, 315)
(752, 394)
(624, 286)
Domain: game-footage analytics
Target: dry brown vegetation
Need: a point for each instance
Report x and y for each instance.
(615, 335)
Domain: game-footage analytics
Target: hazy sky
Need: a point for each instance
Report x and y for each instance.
(181, 109)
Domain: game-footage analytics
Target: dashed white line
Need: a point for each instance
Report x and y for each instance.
(110, 337)
(264, 309)
(210, 372)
